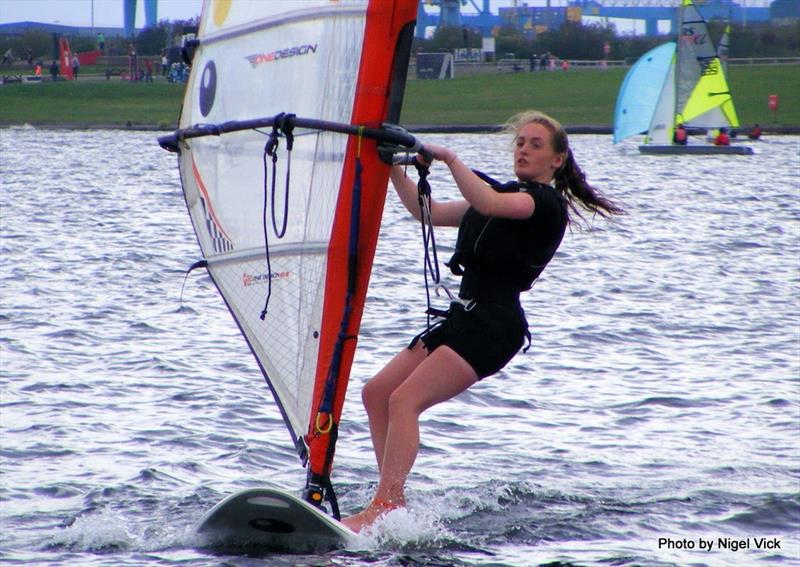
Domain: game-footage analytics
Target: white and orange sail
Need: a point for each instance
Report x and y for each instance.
(339, 61)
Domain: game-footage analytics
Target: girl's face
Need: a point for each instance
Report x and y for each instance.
(534, 156)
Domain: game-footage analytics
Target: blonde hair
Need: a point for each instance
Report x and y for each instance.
(570, 179)
(559, 139)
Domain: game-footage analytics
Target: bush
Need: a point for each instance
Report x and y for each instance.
(39, 42)
(450, 38)
(152, 40)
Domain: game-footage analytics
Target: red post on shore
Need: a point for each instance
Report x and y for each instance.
(773, 106)
(65, 58)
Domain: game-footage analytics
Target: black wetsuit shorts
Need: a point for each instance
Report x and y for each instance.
(486, 335)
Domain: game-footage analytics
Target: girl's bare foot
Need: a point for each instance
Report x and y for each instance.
(367, 517)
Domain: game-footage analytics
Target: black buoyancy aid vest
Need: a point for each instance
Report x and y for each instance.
(496, 257)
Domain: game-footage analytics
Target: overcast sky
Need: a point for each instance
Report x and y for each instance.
(108, 13)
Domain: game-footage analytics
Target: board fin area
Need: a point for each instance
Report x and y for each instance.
(271, 520)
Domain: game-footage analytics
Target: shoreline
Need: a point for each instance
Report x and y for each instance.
(779, 130)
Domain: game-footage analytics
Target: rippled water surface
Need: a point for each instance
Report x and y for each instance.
(659, 408)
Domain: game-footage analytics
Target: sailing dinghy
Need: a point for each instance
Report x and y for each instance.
(278, 150)
(677, 84)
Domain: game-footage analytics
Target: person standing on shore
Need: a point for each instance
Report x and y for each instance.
(507, 234)
(76, 66)
(133, 63)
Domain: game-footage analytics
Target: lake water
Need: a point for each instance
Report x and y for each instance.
(657, 411)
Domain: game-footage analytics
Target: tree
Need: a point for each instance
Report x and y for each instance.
(510, 42)
(453, 37)
(575, 41)
(633, 47)
(153, 39)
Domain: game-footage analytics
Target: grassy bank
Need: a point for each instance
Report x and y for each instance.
(91, 102)
(582, 97)
(576, 97)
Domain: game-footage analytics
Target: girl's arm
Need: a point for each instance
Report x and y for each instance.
(486, 200)
(447, 213)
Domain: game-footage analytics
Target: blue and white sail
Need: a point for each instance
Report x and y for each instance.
(641, 90)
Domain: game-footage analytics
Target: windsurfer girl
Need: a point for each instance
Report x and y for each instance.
(507, 233)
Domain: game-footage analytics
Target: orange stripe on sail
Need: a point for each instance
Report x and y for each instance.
(385, 20)
(204, 192)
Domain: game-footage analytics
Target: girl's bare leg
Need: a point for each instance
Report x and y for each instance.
(439, 377)
(377, 391)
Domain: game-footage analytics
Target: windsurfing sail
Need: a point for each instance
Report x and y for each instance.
(285, 187)
(641, 90)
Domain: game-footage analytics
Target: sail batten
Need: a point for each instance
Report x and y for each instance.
(306, 248)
